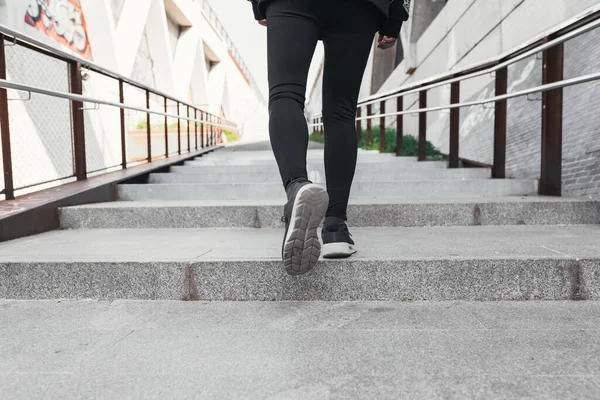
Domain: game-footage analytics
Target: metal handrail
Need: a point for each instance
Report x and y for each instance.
(538, 89)
(34, 44)
(203, 134)
(475, 71)
(4, 84)
(552, 47)
(483, 68)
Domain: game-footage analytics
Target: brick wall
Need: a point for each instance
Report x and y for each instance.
(581, 124)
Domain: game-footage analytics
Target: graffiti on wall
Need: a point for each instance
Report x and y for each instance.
(63, 21)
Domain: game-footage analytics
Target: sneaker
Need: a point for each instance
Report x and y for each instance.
(337, 240)
(303, 213)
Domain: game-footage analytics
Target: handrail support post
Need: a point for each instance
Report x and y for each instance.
(382, 127)
(9, 190)
(552, 120)
(499, 167)
(453, 161)
(422, 126)
(77, 119)
(399, 126)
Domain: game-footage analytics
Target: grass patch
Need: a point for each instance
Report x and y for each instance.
(158, 127)
(231, 136)
(410, 147)
(315, 137)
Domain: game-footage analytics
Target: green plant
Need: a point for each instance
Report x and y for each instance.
(160, 126)
(231, 136)
(410, 146)
(316, 137)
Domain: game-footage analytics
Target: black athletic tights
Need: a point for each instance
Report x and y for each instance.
(347, 28)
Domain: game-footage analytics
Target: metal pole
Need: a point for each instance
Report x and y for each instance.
(196, 128)
(382, 128)
(369, 130)
(123, 133)
(399, 126)
(202, 129)
(358, 124)
(148, 127)
(422, 126)
(210, 127)
(552, 113)
(77, 119)
(220, 130)
(166, 131)
(214, 120)
(9, 189)
(188, 130)
(499, 167)
(454, 125)
(178, 131)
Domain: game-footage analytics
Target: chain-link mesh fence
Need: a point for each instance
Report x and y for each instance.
(43, 127)
(157, 126)
(102, 123)
(172, 128)
(135, 125)
(40, 126)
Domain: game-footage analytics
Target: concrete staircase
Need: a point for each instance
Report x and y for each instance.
(211, 230)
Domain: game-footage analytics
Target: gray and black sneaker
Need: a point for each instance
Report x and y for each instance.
(337, 241)
(303, 213)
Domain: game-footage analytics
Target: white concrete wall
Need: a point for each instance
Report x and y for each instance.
(469, 31)
(133, 38)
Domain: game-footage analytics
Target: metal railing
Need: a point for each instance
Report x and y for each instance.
(553, 82)
(195, 128)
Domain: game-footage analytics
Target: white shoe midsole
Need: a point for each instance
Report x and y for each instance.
(337, 249)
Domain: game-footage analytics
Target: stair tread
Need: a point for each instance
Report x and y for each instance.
(355, 201)
(222, 244)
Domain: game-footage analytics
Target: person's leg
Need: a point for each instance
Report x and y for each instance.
(348, 39)
(292, 35)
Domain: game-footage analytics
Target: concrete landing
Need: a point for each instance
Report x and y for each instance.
(296, 350)
(450, 263)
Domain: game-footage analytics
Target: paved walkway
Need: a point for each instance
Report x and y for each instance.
(311, 350)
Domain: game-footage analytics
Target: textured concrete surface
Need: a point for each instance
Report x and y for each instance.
(267, 191)
(474, 263)
(318, 176)
(299, 350)
(372, 168)
(362, 213)
(312, 157)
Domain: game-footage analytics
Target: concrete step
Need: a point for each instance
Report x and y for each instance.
(312, 155)
(319, 176)
(271, 169)
(300, 350)
(212, 161)
(456, 263)
(269, 191)
(361, 213)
